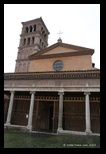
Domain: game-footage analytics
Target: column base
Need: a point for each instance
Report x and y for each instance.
(29, 128)
(88, 132)
(7, 123)
(59, 130)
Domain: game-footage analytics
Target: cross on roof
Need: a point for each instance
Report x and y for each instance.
(60, 33)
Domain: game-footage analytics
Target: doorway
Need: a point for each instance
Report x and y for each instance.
(51, 117)
(43, 119)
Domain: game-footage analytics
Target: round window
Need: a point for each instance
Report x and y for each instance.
(58, 65)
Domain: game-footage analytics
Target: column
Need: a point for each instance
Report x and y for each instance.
(29, 29)
(29, 126)
(32, 28)
(10, 108)
(87, 113)
(60, 118)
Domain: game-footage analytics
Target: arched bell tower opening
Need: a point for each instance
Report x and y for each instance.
(33, 38)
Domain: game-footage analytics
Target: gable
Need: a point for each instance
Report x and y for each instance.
(58, 50)
(61, 50)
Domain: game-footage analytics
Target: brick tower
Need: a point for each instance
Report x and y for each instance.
(33, 38)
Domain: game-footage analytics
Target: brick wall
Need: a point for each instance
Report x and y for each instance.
(70, 63)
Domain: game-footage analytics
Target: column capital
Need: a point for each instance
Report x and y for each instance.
(87, 93)
(60, 93)
(32, 92)
(12, 91)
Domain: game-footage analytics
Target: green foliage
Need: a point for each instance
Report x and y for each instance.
(14, 139)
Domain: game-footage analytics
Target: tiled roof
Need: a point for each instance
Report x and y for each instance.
(79, 74)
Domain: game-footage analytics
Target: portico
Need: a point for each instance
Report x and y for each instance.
(54, 109)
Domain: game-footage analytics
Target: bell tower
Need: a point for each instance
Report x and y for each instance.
(33, 38)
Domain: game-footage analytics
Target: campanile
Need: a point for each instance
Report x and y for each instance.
(33, 38)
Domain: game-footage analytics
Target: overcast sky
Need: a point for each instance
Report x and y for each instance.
(80, 24)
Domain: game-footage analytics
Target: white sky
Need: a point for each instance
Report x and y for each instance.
(80, 24)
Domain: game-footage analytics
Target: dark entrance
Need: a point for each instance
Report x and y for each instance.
(63, 119)
(51, 117)
(43, 116)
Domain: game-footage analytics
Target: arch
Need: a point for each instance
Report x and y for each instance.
(30, 28)
(45, 35)
(26, 29)
(43, 32)
(34, 28)
(40, 41)
(28, 41)
(33, 38)
(24, 42)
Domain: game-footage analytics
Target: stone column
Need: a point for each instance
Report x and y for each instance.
(87, 113)
(32, 28)
(29, 29)
(29, 126)
(60, 117)
(10, 108)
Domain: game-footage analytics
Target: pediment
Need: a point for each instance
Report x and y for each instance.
(61, 49)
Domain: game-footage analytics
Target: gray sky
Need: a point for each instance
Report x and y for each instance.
(80, 24)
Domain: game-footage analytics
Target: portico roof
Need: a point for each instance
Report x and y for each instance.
(76, 74)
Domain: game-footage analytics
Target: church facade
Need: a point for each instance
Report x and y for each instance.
(53, 89)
